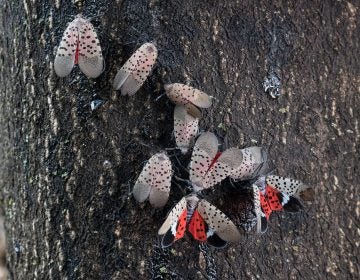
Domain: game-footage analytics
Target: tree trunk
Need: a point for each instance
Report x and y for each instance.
(67, 171)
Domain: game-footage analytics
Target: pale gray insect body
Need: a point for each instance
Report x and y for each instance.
(186, 126)
(154, 181)
(252, 165)
(136, 69)
(79, 45)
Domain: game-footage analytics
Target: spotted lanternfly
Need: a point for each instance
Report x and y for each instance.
(79, 45)
(154, 181)
(209, 167)
(182, 94)
(186, 125)
(136, 69)
(253, 164)
(274, 193)
(203, 220)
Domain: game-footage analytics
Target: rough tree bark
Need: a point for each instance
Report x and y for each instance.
(66, 172)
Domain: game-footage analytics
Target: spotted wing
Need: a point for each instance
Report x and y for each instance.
(161, 184)
(175, 224)
(275, 199)
(220, 229)
(266, 208)
(197, 227)
(251, 166)
(182, 94)
(291, 187)
(286, 185)
(66, 52)
(154, 181)
(290, 192)
(223, 166)
(205, 150)
(136, 69)
(144, 182)
(186, 127)
(91, 61)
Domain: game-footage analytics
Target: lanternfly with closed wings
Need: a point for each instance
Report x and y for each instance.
(79, 45)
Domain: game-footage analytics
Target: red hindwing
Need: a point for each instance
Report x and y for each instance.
(265, 205)
(181, 227)
(197, 227)
(272, 196)
(270, 201)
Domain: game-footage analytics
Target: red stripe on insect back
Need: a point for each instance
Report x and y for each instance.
(215, 159)
(77, 53)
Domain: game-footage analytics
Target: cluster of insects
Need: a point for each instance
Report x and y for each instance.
(208, 166)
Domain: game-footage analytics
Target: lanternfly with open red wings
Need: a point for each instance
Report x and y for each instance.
(79, 45)
(275, 193)
(203, 220)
